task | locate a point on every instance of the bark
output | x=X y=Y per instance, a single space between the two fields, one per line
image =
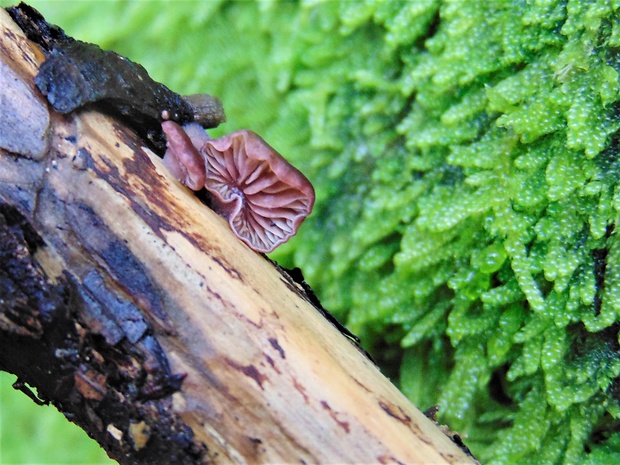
x=132 y=308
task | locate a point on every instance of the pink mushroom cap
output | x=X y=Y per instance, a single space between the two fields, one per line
x=262 y=195
x=182 y=158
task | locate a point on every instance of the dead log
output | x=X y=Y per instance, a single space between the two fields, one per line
x=132 y=308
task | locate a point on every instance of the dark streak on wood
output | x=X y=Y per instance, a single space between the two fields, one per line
x=122 y=265
x=250 y=371
x=385 y=460
x=360 y=384
x=301 y=389
x=228 y=269
x=271 y=362
x=215 y=294
x=274 y=343
x=403 y=417
x=343 y=424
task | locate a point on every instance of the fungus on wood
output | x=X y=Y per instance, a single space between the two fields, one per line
x=264 y=198
x=134 y=309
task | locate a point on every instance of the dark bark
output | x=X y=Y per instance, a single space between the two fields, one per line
x=115 y=377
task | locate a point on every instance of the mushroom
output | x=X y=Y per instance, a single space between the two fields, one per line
x=182 y=158
x=263 y=197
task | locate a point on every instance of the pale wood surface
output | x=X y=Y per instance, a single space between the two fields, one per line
x=269 y=380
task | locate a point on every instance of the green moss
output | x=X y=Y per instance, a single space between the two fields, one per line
x=466 y=164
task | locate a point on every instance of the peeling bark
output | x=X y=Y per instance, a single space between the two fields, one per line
x=133 y=309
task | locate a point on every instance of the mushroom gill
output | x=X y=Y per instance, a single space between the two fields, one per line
x=262 y=195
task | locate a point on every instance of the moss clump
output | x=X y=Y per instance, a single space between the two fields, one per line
x=465 y=160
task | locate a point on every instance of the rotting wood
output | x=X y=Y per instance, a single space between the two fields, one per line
x=133 y=308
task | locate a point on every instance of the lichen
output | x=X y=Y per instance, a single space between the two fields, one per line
x=464 y=155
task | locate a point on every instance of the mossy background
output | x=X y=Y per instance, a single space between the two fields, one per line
x=465 y=157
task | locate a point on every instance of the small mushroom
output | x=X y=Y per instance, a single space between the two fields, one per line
x=182 y=158
x=262 y=195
